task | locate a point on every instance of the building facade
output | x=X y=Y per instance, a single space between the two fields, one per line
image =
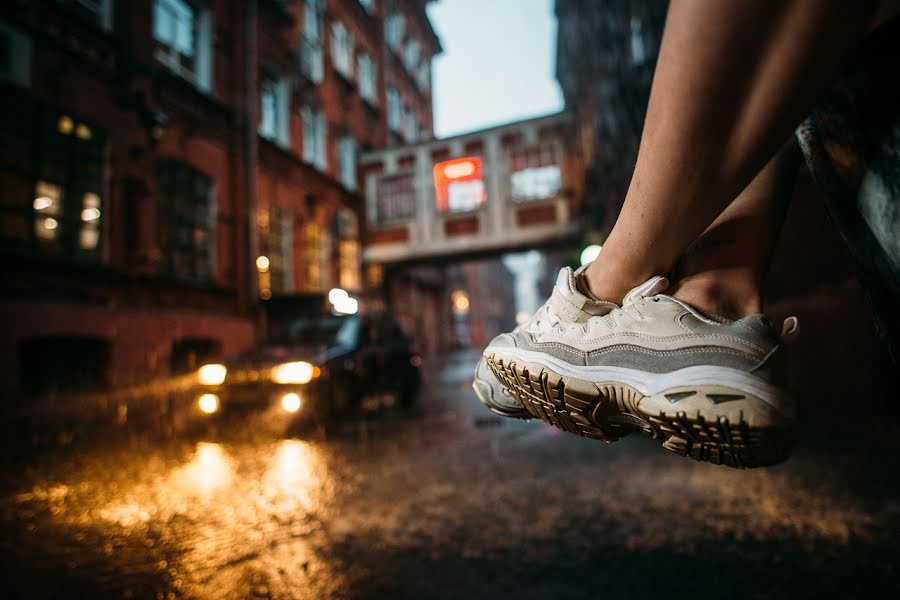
x=168 y=164
x=605 y=57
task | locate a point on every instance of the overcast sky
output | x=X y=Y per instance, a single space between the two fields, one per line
x=497 y=65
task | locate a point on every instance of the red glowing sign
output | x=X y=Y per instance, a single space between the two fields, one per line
x=458 y=184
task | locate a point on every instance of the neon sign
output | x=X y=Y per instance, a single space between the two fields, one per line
x=458 y=184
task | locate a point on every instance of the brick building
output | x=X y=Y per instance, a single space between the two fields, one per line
x=605 y=57
x=167 y=163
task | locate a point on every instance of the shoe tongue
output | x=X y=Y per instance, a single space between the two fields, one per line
x=567 y=288
x=655 y=285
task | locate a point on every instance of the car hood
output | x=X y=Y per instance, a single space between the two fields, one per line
x=269 y=356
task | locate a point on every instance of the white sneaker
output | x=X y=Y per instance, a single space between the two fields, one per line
x=565 y=305
x=708 y=388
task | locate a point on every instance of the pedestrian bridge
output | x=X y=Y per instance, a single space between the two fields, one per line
x=505 y=188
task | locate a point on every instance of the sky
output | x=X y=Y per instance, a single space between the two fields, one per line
x=497 y=65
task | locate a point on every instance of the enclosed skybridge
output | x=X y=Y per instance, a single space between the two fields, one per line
x=507 y=188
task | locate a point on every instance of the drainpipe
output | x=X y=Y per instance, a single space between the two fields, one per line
x=250 y=144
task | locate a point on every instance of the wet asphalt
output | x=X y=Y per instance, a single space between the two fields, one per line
x=447 y=502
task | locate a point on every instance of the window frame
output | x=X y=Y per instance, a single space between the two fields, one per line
x=280 y=126
x=173 y=216
x=200 y=73
x=315 y=138
x=406 y=198
x=342 y=49
x=550 y=150
x=347 y=173
x=368 y=78
x=75 y=161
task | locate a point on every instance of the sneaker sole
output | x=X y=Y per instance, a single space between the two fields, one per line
x=707 y=422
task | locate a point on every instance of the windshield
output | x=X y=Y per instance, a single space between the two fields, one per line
x=319 y=331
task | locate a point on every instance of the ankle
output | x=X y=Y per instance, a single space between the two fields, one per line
x=607 y=284
x=724 y=294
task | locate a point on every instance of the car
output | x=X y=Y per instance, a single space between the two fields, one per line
x=315 y=365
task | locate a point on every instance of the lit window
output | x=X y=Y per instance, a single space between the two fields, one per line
x=317 y=251
x=184 y=40
x=395 y=110
x=395 y=199
x=51 y=199
x=311 y=55
x=411 y=56
x=458 y=184
x=346 y=147
x=48 y=210
x=349 y=254
x=394 y=29
x=369 y=5
x=89 y=231
x=314 y=137
x=368 y=85
x=535 y=174
x=186 y=221
x=273 y=122
x=342 y=49
x=276 y=235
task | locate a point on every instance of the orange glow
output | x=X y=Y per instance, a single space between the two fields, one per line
x=457 y=171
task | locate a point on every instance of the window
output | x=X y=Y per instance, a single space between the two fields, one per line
x=276 y=236
x=346 y=147
x=638 y=52
x=459 y=185
x=411 y=55
x=186 y=222
x=184 y=40
x=342 y=49
x=394 y=28
x=311 y=56
x=395 y=199
x=369 y=5
x=368 y=83
x=395 y=110
x=52 y=172
x=317 y=251
x=15 y=56
x=423 y=76
x=273 y=111
x=314 y=137
x=349 y=254
x=535 y=174
x=410 y=126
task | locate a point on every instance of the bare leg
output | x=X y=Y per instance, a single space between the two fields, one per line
x=733 y=80
x=723 y=271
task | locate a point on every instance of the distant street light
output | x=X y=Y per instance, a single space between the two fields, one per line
x=590 y=253
x=460 y=302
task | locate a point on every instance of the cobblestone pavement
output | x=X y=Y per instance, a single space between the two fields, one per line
x=452 y=504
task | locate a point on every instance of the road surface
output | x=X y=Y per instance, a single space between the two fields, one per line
x=450 y=503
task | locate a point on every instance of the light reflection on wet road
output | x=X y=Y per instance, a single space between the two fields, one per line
x=443 y=508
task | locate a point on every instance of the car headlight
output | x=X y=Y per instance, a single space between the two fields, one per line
x=208 y=403
x=295 y=372
x=212 y=374
x=291 y=402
